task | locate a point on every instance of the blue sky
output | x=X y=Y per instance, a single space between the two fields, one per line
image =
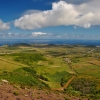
x=68 y=19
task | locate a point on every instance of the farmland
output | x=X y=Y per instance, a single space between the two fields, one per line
x=52 y=66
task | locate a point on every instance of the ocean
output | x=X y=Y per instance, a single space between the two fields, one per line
x=50 y=41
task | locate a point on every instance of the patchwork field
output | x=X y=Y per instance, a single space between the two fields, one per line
x=53 y=67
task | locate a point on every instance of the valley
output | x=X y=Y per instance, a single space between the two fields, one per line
x=72 y=70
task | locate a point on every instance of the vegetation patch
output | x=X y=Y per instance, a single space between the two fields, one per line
x=23 y=76
x=28 y=58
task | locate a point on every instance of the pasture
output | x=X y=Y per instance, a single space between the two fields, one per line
x=46 y=65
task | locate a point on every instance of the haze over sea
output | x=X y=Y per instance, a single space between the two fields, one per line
x=50 y=41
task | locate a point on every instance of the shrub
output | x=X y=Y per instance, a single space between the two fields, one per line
x=16 y=93
x=29 y=58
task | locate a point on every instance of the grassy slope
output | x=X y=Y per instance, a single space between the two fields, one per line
x=8 y=65
x=54 y=68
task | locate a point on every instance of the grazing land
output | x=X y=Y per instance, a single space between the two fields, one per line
x=71 y=72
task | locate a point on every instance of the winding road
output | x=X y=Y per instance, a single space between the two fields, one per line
x=66 y=85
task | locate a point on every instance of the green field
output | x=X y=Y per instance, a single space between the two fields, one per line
x=51 y=66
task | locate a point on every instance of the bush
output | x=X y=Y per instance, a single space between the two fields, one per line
x=29 y=58
x=16 y=93
x=67 y=98
x=85 y=86
x=43 y=77
x=65 y=79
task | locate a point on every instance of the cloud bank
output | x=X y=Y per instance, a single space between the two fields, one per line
x=62 y=13
x=4 y=26
x=43 y=35
x=35 y=34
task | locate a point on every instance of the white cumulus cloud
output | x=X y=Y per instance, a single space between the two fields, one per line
x=62 y=13
x=4 y=26
x=35 y=34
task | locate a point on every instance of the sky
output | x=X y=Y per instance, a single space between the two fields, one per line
x=50 y=19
